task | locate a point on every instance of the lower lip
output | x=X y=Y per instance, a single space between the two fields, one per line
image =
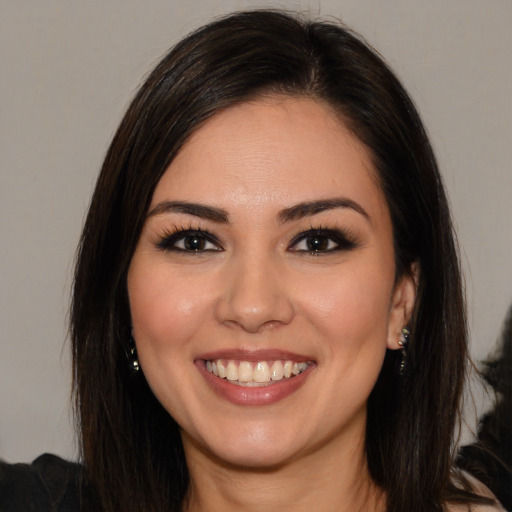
x=263 y=395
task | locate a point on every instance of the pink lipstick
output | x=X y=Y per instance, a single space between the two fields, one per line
x=248 y=377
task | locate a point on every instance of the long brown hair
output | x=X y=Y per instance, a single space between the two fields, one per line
x=131 y=446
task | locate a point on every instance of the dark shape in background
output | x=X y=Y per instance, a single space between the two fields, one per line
x=489 y=458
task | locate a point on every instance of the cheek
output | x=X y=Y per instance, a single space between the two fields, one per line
x=166 y=308
x=352 y=320
x=350 y=309
x=168 y=312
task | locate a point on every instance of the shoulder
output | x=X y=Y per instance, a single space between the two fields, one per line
x=482 y=490
x=48 y=484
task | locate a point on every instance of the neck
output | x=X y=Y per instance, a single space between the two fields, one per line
x=331 y=479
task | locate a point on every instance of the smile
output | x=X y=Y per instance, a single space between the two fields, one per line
x=257 y=373
x=255 y=377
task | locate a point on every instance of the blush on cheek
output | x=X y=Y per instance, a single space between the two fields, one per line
x=342 y=305
x=156 y=302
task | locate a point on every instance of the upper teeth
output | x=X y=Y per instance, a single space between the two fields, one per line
x=247 y=373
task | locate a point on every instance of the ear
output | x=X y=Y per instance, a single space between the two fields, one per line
x=402 y=305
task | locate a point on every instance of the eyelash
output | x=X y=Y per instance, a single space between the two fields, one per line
x=343 y=240
x=170 y=238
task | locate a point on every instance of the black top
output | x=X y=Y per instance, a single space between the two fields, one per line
x=49 y=484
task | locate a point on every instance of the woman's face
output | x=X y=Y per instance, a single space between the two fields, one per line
x=262 y=287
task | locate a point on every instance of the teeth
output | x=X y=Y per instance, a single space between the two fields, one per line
x=276 y=371
x=245 y=372
x=261 y=372
x=298 y=368
x=232 y=371
x=220 y=368
x=253 y=374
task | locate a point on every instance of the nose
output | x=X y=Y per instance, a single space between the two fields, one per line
x=254 y=296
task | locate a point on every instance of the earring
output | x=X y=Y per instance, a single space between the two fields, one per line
x=133 y=361
x=403 y=342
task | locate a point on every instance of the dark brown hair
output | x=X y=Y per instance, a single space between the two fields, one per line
x=131 y=446
x=489 y=457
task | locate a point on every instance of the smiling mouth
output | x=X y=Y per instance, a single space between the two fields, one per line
x=255 y=374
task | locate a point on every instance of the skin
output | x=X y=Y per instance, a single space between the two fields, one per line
x=255 y=287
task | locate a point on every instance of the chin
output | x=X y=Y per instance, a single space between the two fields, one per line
x=265 y=457
x=250 y=447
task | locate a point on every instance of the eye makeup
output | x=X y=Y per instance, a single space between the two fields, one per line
x=314 y=241
x=188 y=240
x=321 y=240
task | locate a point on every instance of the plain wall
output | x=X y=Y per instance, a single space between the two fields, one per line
x=68 y=70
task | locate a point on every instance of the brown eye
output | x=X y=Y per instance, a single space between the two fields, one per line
x=194 y=243
x=318 y=243
x=321 y=241
x=189 y=241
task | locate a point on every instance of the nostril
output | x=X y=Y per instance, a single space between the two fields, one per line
x=254 y=327
x=254 y=297
x=271 y=324
x=255 y=320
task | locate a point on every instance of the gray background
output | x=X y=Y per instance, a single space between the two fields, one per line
x=68 y=70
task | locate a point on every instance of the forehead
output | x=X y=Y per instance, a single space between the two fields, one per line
x=272 y=151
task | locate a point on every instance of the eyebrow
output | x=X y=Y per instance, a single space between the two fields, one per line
x=295 y=212
x=197 y=210
x=307 y=209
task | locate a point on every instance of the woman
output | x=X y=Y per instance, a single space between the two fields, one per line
x=267 y=306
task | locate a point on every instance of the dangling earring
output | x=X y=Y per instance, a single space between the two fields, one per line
x=133 y=361
x=403 y=342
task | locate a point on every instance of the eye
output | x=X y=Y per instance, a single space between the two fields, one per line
x=191 y=241
x=318 y=241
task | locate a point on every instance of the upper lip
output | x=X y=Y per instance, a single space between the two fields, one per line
x=253 y=355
